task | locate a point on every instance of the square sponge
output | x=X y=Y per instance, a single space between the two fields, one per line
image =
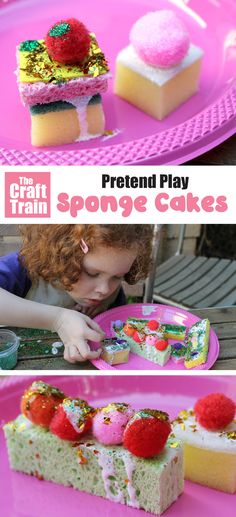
x=62 y=122
x=153 y=90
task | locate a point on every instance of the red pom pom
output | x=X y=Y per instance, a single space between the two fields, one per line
x=146 y=436
x=215 y=411
x=68 y=41
x=40 y=402
x=136 y=337
x=153 y=325
x=128 y=330
x=161 y=344
x=62 y=427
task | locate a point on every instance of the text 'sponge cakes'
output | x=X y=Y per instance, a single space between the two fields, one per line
x=126 y=456
x=61 y=80
x=160 y=68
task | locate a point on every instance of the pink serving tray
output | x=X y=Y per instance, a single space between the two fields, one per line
x=25 y=496
x=164 y=314
x=200 y=124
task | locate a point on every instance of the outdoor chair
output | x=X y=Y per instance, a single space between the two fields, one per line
x=190 y=281
x=9 y=239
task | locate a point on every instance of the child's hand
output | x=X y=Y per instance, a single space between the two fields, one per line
x=74 y=330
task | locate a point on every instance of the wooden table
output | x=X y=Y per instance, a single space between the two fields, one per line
x=223 y=321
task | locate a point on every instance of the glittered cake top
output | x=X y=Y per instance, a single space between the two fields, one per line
x=35 y=64
x=187 y=428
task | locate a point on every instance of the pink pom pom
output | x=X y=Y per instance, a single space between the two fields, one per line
x=160 y=39
x=109 y=423
x=151 y=340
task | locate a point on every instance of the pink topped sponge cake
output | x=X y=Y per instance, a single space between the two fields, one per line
x=160 y=68
x=61 y=79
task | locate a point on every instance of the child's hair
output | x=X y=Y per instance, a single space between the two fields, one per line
x=53 y=251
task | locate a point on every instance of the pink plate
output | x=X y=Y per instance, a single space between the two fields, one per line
x=25 y=496
x=163 y=313
x=200 y=124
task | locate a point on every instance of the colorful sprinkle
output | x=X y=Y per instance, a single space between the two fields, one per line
x=59 y=30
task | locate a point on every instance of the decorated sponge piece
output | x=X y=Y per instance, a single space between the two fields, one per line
x=197 y=344
x=96 y=461
x=160 y=69
x=109 y=423
x=115 y=351
x=178 y=352
x=208 y=433
x=145 y=338
x=61 y=79
x=173 y=331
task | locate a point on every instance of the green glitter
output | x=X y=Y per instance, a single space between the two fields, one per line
x=96 y=99
x=29 y=45
x=40 y=109
x=59 y=30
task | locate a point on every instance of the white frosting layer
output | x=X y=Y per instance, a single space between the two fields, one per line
x=191 y=432
x=129 y=58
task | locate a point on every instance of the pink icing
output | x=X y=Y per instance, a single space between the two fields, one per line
x=42 y=93
x=160 y=38
x=151 y=340
x=111 y=433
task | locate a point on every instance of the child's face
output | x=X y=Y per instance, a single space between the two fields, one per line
x=102 y=274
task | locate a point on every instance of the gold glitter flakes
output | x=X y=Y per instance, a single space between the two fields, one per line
x=160 y=415
x=231 y=435
x=184 y=414
x=115 y=406
x=82 y=459
x=36 y=65
x=173 y=445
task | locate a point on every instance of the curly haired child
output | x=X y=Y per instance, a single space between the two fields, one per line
x=66 y=274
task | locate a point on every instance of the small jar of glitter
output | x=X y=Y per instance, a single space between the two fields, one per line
x=9 y=344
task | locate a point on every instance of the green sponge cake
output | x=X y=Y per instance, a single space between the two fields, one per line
x=146 y=338
x=98 y=451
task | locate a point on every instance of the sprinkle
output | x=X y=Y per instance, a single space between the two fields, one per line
x=115 y=406
x=110 y=134
x=37 y=475
x=29 y=45
x=59 y=30
x=174 y=445
x=160 y=415
x=184 y=414
x=231 y=435
x=82 y=459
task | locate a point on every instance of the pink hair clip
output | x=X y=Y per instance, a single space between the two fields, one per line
x=84 y=246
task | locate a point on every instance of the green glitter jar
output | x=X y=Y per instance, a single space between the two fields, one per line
x=9 y=344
